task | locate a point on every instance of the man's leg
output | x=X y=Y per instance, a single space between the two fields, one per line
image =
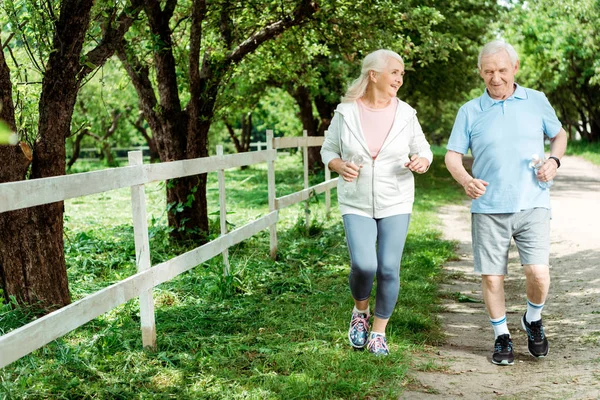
x=491 y=240
x=493 y=295
x=537 y=286
x=532 y=237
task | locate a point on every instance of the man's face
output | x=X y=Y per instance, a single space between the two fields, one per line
x=498 y=74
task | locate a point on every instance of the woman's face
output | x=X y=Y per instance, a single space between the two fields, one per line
x=390 y=79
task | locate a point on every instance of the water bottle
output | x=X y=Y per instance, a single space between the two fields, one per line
x=536 y=163
x=358 y=160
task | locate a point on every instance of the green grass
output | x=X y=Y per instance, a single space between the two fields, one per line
x=272 y=330
x=589 y=151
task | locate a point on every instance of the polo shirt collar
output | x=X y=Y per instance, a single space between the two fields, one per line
x=487 y=101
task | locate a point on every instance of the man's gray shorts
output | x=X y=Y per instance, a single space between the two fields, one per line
x=491 y=234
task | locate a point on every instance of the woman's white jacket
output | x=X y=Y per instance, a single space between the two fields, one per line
x=385 y=187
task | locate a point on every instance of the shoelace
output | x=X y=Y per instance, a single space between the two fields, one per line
x=377 y=343
x=358 y=322
x=503 y=343
x=536 y=331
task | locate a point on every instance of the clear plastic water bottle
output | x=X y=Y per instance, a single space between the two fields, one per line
x=536 y=163
x=358 y=160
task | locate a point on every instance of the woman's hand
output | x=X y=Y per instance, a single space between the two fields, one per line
x=347 y=170
x=417 y=164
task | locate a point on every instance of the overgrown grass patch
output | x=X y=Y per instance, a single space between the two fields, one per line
x=589 y=151
x=270 y=330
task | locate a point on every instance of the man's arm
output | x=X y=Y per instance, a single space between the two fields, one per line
x=474 y=188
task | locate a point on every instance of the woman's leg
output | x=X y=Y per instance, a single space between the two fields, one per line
x=361 y=236
x=391 y=237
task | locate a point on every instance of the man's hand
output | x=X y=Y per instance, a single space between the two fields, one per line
x=417 y=164
x=475 y=188
x=547 y=172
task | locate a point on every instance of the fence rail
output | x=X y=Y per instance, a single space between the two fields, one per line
x=17 y=195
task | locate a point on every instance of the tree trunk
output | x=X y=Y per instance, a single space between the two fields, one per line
x=594 y=131
x=183 y=133
x=32 y=255
x=76 y=148
x=138 y=124
x=325 y=110
x=32 y=264
x=309 y=123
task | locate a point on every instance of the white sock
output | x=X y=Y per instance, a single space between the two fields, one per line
x=500 y=326
x=534 y=311
x=356 y=310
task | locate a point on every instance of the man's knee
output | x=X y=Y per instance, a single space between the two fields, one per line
x=492 y=283
x=537 y=273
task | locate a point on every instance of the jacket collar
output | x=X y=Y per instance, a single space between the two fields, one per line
x=487 y=102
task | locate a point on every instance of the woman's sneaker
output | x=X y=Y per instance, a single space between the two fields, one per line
x=359 y=330
x=503 y=351
x=378 y=345
x=537 y=343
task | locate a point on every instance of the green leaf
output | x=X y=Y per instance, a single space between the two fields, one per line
x=7 y=136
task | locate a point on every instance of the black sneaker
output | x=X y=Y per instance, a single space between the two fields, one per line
x=536 y=338
x=503 y=351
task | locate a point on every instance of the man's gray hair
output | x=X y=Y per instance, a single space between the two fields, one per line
x=496 y=46
x=376 y=61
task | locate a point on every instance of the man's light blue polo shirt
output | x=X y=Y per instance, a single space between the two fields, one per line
x=502 y=136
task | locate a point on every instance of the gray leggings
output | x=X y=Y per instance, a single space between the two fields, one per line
x=376 y=247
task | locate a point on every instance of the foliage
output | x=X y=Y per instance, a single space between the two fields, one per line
x=107 y=94
x=589 y=151
x=274 y=329
x=271 y=108
x=562 y=61
x=438 y=40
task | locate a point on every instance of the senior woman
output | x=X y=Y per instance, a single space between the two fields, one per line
x=375 y=143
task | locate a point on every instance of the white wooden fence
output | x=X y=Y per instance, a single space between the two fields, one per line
x=24 y=194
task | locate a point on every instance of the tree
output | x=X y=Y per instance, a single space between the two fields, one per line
x=194 y=48
x=32 y=265
x=558 y=43
x=106 y=115
x=439 y=42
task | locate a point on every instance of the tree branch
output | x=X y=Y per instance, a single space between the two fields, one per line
x=302 y=12
x=111 y=37
x=139 y=75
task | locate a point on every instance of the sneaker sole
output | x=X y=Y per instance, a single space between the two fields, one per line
x=354 y=346
x=529 y=351
x=504 y=362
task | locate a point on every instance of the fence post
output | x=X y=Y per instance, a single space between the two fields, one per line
x=272 y=195
x=327 y=191
x=142 y=255
x=223 y=211
x=305 y=162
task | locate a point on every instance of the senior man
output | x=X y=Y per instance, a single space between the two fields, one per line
x=503 y=128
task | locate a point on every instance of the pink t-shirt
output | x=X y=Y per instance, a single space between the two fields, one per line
x=376 y=124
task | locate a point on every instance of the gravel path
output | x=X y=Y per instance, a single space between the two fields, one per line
x=571 y=316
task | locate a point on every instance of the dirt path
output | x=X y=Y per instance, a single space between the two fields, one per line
x=571 y=315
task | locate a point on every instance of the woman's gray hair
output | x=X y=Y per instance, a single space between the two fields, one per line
x=376 y=61
x=496 y=46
